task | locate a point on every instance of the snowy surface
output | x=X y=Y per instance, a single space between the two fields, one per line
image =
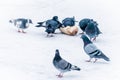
x=29 y=56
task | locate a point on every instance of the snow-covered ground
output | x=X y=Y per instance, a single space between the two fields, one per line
x=29 y=56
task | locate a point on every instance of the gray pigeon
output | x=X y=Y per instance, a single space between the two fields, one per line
x=68 y=21
x=21 y=24
x=62 y=65
x=92 y=30
x=92 y=50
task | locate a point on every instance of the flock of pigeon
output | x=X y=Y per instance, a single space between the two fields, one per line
x=90 y=32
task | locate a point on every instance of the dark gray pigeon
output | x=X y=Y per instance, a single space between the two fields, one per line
x=21 y=24
x=50 y=25
x=92 y=30
x=62 y=65
x=92 y=50
x=83 y=23
x=68 y=21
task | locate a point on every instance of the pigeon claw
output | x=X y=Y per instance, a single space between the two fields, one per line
x=59 y=75
x=88 y=60
x=23 y=32
x=19 y=31
x=95 y=60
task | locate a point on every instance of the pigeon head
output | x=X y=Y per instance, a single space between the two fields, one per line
x=30 y=21
x=55 y=18
x=57 y=52
x=85 y=40
x=75 y=68
x=10 y=21
x=57 y=55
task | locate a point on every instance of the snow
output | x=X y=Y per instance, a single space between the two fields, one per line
x=29 y=56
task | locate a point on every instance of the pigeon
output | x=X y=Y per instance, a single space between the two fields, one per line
x=62 y=65
x=50 y=30
x=92 y=50
x=21 y=24
x=92 y=30
x=68 y=22
x=50 y=25
x=83 y=23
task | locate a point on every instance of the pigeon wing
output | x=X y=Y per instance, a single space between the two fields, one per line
x=90 y=48
x=62 y=64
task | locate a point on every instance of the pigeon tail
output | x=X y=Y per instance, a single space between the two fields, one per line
x=106 y=58
x=75 y=68
x=40 y=24
x=103 y=56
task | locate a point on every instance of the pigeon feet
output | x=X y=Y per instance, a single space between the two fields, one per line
x=93 y=39
x=21 y=31
x=60 y=75
x=50 y=35
x=88 y=60
x=95 y=60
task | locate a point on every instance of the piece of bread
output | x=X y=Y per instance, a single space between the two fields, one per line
x=69 y=30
